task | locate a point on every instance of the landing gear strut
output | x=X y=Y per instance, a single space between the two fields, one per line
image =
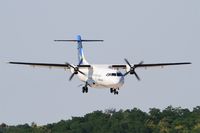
x=114 y=91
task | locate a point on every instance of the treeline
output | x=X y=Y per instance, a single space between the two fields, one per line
x=169 y=120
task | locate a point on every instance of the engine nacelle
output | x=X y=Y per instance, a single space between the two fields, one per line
x=72 y=70
x=128 y=68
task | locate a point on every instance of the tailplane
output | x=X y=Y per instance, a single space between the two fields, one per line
x=81 y=57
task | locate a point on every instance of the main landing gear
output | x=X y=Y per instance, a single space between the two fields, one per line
x=85 y=88
x=114 y=91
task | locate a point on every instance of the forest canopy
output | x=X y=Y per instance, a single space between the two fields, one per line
x=169 y=120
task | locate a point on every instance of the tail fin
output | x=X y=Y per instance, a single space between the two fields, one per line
x=81 y=56
x=79 y=41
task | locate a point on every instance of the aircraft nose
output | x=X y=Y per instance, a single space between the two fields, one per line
x=120 y=81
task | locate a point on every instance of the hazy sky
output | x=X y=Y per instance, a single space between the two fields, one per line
x=153 y=31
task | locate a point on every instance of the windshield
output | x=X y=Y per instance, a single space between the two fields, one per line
x=114 y=74
x=119 y=74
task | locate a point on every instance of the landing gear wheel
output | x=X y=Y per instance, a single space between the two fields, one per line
x=111 y=90
x=116 y=92
x=85 y=89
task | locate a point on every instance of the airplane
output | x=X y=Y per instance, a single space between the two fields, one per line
x=108 y=76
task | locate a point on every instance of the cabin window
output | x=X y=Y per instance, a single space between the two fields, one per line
x=108 y=74
x=114 y=74
x=119 y=74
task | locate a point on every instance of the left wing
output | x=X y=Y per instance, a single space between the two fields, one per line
x=161 y=64
x=124 y=66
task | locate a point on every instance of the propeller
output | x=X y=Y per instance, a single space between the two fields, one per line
x=76 y=70
x=132 y=69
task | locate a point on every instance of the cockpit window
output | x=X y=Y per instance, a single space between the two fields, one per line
x=119 y=74
x=114 y=74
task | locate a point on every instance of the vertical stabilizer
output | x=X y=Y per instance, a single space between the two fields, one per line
x=81 y=56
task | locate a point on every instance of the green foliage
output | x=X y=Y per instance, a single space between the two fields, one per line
x=170 y=120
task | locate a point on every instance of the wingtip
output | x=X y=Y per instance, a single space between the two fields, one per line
x=10 y=62
x=188 y=63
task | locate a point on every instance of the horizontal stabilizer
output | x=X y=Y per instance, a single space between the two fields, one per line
x=78 y=40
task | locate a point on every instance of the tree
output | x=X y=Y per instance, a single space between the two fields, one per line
x=170 y=120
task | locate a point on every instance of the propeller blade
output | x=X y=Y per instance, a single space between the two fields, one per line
x=127 y=62
x=126 y=73
x=135 y=66
x=71 y=76
x=69 y=65
x=81 y=72
x=141 y=63
x=138 y=78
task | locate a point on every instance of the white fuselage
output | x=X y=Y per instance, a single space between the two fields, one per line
x=100 y=76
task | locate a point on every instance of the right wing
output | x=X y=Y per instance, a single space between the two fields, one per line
x=46 y=65
x=50 y=65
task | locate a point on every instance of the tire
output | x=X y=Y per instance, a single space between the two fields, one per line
x=111 y=90
x=83 y=89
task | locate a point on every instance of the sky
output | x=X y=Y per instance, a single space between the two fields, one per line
x=151 y=31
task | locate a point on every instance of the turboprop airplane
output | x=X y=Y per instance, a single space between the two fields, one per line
x=98 y=75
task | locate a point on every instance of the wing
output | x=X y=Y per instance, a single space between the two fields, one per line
x=50 y=65
x=124 y=66
x=161 y=64
x=46 y=65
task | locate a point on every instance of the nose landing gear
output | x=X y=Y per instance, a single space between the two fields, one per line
x=114 y=91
